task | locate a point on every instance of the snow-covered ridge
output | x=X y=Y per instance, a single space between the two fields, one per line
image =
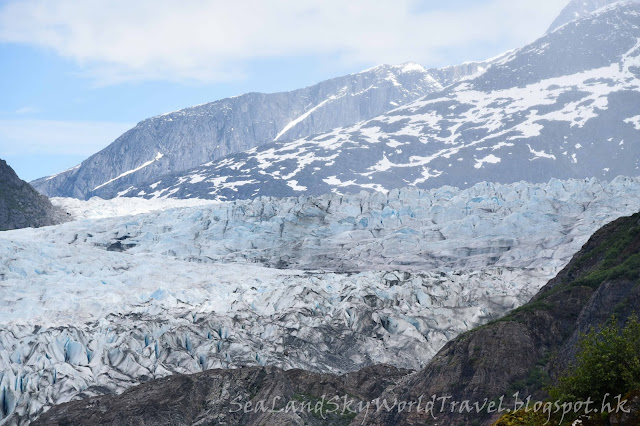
x=407 y=67
x=527 y=113
x=64 y=171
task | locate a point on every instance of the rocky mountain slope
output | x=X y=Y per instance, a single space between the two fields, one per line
x=565 y=106
x=180 y=399
x=95 y=306
x=520 y=352
x=454 y=73
x=21 y=206
x=538 y=340
x=579 y=8
x=183 y=139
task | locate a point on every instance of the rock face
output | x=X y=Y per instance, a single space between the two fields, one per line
x=452 y=74
x=20 y=205
x=579 y=8
x=512 y=354
x=207 y=398
x=183 y=139
x=565 y=106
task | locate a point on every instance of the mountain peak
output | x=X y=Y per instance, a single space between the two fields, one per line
x=407 y=67
x=578 y=8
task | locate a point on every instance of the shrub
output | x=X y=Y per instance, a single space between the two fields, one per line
x=608 y=361
x=522 y=418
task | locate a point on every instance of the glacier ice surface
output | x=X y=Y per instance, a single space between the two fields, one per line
x=329 y=283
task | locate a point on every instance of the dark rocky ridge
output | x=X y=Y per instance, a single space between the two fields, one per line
x=214 y=397
x=523 y=351
x=21 y=206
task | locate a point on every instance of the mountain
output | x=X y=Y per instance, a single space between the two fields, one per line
x=566 y=106
x=579 y=8
x=328 y=284
x=520 y=352
x=21 y=206
x=183 y=139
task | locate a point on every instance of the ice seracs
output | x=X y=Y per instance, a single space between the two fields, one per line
x=329 y=283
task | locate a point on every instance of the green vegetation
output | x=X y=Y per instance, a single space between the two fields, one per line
x=614 y=246
x=538 y=378
x=529 y=307
x=615 y=258
x=608 y=361
x=608 y=358
x=522 y=418
x=629 y=269
x=619 y=260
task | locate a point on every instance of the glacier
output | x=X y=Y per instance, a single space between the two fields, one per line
x=329 y=283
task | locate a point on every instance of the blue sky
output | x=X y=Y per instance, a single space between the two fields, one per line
x=76 y=74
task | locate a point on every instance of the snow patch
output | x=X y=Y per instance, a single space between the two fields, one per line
x=489 y=159
x=540 y=154
x=293 y=184
x=635 y=121
x=301 y=118
x=148 y=163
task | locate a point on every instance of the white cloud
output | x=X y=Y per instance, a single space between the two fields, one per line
x=43 y=137
x=213 y=40
x=26 y=110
